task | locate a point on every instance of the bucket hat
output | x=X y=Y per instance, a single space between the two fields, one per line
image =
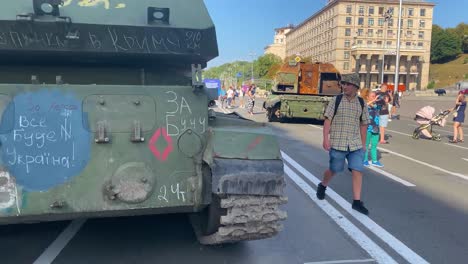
x=352 y=78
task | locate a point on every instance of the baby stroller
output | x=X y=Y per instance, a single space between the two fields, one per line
x=426 y=119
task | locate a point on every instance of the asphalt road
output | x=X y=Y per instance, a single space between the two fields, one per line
x=418 y=205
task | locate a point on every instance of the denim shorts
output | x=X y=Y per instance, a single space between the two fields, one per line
x=355 y=160
x=383 y=120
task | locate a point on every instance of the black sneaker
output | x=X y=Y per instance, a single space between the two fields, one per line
x=359 y=206
x=321 y=191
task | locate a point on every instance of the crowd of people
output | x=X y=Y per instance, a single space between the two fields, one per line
x=244 y=94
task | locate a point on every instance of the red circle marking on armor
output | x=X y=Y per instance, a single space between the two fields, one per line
x=154 y=139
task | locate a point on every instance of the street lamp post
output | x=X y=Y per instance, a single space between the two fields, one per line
x=252 y=54
x=388 y=16
x=397 y=70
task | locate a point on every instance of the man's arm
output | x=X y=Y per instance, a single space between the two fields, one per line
x=326 y=134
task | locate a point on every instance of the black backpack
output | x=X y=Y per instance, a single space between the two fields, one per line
x=338 y=101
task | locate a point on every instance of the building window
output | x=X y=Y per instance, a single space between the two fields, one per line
x=379 y=33
x=371 y=22
x=370 y=33
x=391 y=10
x=361 y=21
x=381 y=21
x=420 y=44
x=359 y=42
x=408 y=44
x=348 y=32
x=410 y=11
x=371 y=10
x=346 y=66
x=381 y=10
x=360 y=32
x=347 y=43
x=390 y=22
x=422 y=23
x=348 y=21
x=410 y=23
x=422 y=12
x=349 y=9
x=421 y=35
x=379 y=43
x=346 y=55
x=361 y=10
x=390 y=33
x=409 y=34
x=369 y=43
x=389 y=43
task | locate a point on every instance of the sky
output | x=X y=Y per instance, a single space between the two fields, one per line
x=245 y=27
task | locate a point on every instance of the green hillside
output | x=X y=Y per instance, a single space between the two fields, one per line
x=447 y=74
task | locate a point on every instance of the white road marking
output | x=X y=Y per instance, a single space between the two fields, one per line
x=354 y=233
x=393 y=131
x=318 y=127
x=384 y=173
x=60 y=242
x=388 y=238
x=426 y=164
x=452 y=145
x=343 y=261
x=391 y=176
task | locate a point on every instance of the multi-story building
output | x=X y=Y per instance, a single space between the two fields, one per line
x=361 y=36
x=279 y=45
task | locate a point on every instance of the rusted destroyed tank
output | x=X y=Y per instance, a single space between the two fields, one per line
x=302 y=90
x=104 y=113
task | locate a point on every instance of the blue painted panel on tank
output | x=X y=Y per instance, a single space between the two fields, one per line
x=48 y=144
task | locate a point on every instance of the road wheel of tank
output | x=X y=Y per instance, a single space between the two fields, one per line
x=208 y=221
x=210 y=218
x=274 y=114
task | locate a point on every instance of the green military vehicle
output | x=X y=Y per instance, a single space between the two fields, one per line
x=302 y=90
x=104 y=113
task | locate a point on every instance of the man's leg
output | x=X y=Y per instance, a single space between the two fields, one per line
x=357 y=184
x=356 y=168
x=336 y=164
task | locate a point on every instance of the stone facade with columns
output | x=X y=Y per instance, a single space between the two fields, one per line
x=279 y=46
x=361 y=36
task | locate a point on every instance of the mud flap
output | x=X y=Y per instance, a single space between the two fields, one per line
x=248 y=177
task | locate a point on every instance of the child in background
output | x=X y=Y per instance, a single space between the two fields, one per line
x=373 y=131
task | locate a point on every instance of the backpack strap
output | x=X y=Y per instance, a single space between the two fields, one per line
x=337 y=104
x=338 y=101
x=361 y=101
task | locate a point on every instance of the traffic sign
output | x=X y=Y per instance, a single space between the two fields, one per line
x=298 y=59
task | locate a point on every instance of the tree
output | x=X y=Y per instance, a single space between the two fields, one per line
x=462 y=31
x=264 y=63
x=446 y=45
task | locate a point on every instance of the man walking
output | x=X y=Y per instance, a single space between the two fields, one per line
x=344 y=137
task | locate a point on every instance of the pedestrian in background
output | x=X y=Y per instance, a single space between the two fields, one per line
x=396 y=104
x=250 y=100
x=373 y=131
x=459 y=119
x=344 y=137
x=384 y=98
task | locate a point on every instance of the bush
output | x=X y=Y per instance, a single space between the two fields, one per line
x=465 y=61
x=431 y=85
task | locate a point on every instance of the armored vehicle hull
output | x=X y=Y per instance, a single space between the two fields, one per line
x=302 y=90
x=122 y=128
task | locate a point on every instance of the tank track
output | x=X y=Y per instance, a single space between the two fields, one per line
x=249 y=217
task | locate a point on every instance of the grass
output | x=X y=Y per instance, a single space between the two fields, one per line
x=449 y=73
